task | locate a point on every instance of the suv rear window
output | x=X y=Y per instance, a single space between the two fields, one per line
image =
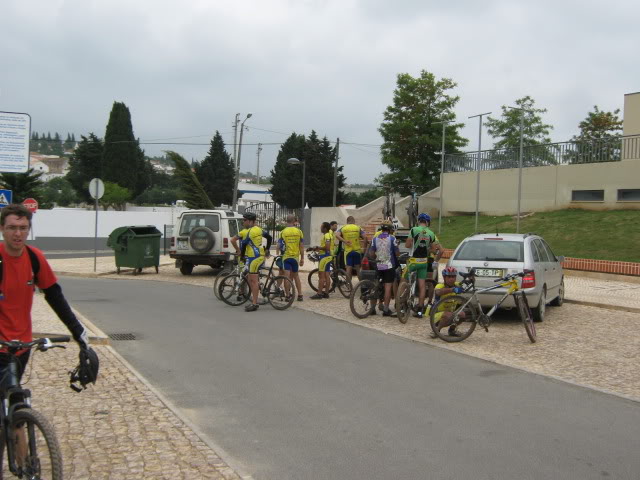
x=189 y=222
x=491 y=250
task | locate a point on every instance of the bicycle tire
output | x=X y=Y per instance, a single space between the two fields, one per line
x=464 y=329
x=234 y=290
x=344 y=287
x=403 y=310
x=276 y=292
x=41 y=438
x=216 y=282
x=313 y=279
x=526 y=316
x=362 y=300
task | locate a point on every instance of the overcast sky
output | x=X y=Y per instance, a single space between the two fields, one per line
x=185 y=68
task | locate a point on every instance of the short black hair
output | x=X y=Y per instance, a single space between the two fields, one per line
x=15 y=209
x=333 y=223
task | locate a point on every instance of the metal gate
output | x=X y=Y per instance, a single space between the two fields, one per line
x=271 y=216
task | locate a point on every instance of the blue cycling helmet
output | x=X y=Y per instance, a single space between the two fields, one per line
x=424 y=217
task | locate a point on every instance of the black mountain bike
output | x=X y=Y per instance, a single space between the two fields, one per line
x=28 y=437
x=338 y=277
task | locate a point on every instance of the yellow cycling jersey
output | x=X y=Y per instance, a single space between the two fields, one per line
x=334 y=243
x=446 y=306
x=251 y=239
x=291 y=236
x=352 y=233
x=327 y=237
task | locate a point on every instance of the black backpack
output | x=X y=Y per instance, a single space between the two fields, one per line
x=35 y=266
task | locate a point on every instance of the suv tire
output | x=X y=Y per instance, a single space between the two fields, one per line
x=539 y=311
x=202 y=239
x=186 y=268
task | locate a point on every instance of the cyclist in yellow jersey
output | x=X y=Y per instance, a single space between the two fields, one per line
x=447 y=288
x=355 y=244
x=326 y=257
x=292 y=240
x=252 y=252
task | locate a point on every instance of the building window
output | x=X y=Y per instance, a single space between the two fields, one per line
x=587 y=195
x=629 y=195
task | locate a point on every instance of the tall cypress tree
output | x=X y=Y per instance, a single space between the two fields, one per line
x=123 y=159
x=216 y=173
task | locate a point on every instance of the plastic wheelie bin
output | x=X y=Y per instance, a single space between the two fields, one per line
x=136 y=247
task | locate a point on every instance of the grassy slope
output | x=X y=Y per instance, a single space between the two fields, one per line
x=610 y=235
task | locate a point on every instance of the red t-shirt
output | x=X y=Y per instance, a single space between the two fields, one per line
x=17 y=293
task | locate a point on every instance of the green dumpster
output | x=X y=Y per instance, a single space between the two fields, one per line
x=136 y=247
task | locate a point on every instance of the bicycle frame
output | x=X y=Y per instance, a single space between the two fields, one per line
x=512 y=289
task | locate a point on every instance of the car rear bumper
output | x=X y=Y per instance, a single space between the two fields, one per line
x=200 y=259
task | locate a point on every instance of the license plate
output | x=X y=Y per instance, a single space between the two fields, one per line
x=182 y=244
x=489 y=272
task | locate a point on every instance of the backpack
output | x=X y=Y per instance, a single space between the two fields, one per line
x=421 y=241
x=35 y=266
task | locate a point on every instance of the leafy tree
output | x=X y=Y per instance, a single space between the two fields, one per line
x=114 y=196
x=158 y=196
x=69 y=143
x=191 y=188
x=360 y=199
x=216 y=172
x=85 y=164
x=123 y=159
x=23 y=185
x=412 y=138
x=58 y=191
x=507 y=128
x=319 y=158
x=599 y=124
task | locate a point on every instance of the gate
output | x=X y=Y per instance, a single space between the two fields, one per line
x=271 y=216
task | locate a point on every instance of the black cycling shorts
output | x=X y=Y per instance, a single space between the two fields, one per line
x=387 y=276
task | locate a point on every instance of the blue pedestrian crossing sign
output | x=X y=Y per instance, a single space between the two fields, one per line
x=5 y=197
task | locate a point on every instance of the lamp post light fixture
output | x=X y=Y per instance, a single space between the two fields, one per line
x=295 y=161
x=235 y=187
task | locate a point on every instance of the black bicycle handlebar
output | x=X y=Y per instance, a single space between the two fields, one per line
x=40 y=342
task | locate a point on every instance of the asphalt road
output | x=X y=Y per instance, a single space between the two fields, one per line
x=294 y=395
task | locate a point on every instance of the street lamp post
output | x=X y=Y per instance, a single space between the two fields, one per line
x=444 y=125
x=295 y=161
x=237 y=176
x=478 y=164
x=522 y=112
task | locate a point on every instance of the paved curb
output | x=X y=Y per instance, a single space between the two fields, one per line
x=100 y=338
x=620 y=308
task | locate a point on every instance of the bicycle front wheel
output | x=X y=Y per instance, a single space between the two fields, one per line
x=313 y=279
x=280 y=292
x=216 y=283
x=526 y=316
x=343 y=285
x=43 y=458
x=453 y=319
x=363 y=299
x=403 y=309
x=234 y=290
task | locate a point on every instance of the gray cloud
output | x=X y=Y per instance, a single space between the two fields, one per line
x=186 y=68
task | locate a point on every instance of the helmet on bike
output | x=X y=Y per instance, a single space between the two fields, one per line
x=424 y=217
x=449 y=272
x=386 y=227
x=87 y=370
x=249 y=216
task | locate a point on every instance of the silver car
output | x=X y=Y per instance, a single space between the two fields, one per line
x=495 y=255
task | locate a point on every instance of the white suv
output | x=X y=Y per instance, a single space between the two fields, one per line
x=203 y=237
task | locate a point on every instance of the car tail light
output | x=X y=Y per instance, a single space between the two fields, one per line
x=365 y=263
x=225 y=242
x=173 y=241
x=529 y=280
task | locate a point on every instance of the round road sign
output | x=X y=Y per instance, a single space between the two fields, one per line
x=31 y=204
x=96 y=188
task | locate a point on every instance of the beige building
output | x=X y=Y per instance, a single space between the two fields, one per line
x=612 y=181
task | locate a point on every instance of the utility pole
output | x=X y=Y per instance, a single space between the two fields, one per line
x=444 y=125
x=235 y=188
x=258 y=166
x=335 y=173
x=478 y=164
x=235 y=138
x=520 y=158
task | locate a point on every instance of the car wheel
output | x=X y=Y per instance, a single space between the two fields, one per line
x=539 y=311
x=559 y=300
x=186 y=268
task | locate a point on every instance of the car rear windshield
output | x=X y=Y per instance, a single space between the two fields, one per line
x=189 y=222
x=491 y=250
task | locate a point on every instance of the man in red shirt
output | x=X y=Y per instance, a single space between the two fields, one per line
x=19 y=283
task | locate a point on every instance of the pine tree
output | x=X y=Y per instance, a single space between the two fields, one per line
x=216 y=172
x=194 y=194
x=23 y=185
x=85 y=164
x=56 y=145
x=123 y=159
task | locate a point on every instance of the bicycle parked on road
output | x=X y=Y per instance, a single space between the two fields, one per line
x=338 y=277
x=466 y=311
x=42 y=458
x=407 y=298
x=277 y=290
